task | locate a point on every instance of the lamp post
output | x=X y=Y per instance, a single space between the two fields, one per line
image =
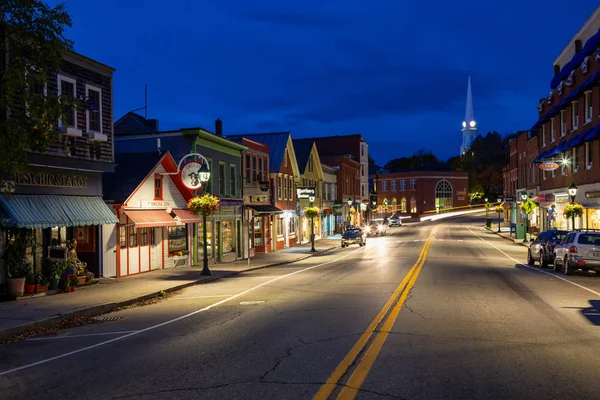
x=312 y=226
x=349 y=215
x=499 y=200
x=572 y=193
x=204 y=176
x=524 y=199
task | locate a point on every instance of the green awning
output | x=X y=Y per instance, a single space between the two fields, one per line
x=29 y=211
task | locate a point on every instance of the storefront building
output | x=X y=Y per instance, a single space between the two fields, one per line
x=284 y=176
x=155 y=228
x=347 y=209
x=415 y=193
x=311 y=176
x=328 y=200
x=259 y=213
x=58 y=197
x=224 y=228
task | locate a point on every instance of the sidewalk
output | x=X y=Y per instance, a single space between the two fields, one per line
x=40 y=311
x=505 y=233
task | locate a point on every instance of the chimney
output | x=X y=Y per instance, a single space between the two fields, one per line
x=219 y=127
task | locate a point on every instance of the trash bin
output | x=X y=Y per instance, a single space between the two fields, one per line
x=520 y=231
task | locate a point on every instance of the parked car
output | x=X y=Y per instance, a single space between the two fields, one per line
x=377 y=226
x=578 y=250
x=354 y=235
x=542 y=248
x=395 y=221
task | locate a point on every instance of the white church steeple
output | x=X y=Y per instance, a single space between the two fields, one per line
x=469 y=126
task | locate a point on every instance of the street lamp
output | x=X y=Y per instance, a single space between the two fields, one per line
x=572 y=193
x=524 y=199
x=499 y=200
x=312 y=226
x=349 y=215
x=204 y=176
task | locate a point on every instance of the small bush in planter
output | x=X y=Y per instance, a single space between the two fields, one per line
x=90 y=276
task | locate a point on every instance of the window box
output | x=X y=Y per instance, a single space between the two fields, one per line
x=70 y=131
x=97 y=136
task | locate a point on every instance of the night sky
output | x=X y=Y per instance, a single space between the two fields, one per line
x=394 y=71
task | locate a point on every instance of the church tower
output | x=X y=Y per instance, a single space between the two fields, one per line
x=469 y=126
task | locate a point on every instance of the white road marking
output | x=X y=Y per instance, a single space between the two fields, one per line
x=150 y=328
x=201 y=297
x=244 y=303
x=537 y=269
x=75 y=336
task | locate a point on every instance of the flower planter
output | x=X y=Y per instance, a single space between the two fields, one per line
x=39 y=288
x=16 y=287
x=81 y=279
x=54 y=283
x=29 y=288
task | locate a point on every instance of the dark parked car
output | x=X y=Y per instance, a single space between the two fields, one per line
x=542 y=248
x=354 y=236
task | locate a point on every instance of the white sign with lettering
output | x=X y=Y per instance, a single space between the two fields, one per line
x=155 y=204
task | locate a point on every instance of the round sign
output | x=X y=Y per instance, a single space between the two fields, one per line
x=190 y=175
x=548 y=166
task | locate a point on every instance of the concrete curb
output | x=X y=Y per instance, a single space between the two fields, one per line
x=526 y=244
x=106 y=308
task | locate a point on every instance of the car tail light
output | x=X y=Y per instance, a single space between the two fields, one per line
x=573 y=249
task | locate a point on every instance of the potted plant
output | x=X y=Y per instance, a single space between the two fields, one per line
x=15 y=261
x=204 y=205
x=574 y=209
x=89 y=276
x=17 y=271
x=57 y=267
x=73 y=281
x=30 y=283
x=42 y=283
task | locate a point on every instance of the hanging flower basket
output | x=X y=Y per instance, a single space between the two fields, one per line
x=352 y=210
x=311 y=212
x=204 y=205
x=499 y=209
x=528 y=207
x=573 y=210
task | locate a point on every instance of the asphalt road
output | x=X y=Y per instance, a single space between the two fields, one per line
x=434 y=310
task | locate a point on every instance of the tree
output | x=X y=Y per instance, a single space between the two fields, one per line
x=31 y=46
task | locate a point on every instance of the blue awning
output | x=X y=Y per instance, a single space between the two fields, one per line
x=591 y=81
x=29 y=211
x=575 y=141
x=592 y=134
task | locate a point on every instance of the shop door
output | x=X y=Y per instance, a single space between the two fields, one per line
x=156 y=253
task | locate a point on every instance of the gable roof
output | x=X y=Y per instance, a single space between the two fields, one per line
x=277 y=143
x=302 y=148
x=131 y=170
x=132 y=123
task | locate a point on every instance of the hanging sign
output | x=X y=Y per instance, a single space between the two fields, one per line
x=190 y=175
x=548 y=166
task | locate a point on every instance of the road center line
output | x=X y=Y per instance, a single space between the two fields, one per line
x=70 y=353
x=333 y=380
x=77 y=336
x=536 y=269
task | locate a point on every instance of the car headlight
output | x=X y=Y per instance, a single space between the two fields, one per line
x=380 y=227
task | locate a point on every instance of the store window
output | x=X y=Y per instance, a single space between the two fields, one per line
x=258 y=232
x=177 y=238
x=280 y=226
x=59 y=236
x=228 y=237
x=132 y=236
x=209 y=250
x=123 y=237
x=144 y=235
x=292 y=225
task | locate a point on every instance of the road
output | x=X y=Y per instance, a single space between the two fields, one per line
x=444 y=309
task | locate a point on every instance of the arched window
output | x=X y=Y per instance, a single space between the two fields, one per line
x=443 y=196
x=394 y=205
x=403 y=205
x=413 y=205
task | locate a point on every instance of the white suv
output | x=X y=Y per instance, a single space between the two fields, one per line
x=578 y=250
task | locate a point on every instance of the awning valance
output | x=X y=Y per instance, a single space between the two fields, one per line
x=29 y=211
x=150 y=218
x=266 y=209
x=186 y=216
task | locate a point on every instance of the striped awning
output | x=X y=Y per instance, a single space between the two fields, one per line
x=29 y=211
x=186 y=216
x=150 y=218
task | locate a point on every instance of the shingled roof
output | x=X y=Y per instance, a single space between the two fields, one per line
x=302 y=148
x=276 y=141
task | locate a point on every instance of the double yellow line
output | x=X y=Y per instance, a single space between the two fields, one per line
x=351 y=388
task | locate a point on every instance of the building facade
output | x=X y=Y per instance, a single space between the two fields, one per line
x=569 y=132
x=224 y=229
x=349 y=203
x=416 y=193
x=330 y=206
x=59 y=196
x=284 y=178
x=311 y=176
x=155 y=229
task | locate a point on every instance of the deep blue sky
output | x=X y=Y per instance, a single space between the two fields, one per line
x=394 y=71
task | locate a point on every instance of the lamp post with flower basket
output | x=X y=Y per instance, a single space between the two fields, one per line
x=572 y=193
x=311 y=212
x=573 y=210
x=204 y=205
x=528 y=207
